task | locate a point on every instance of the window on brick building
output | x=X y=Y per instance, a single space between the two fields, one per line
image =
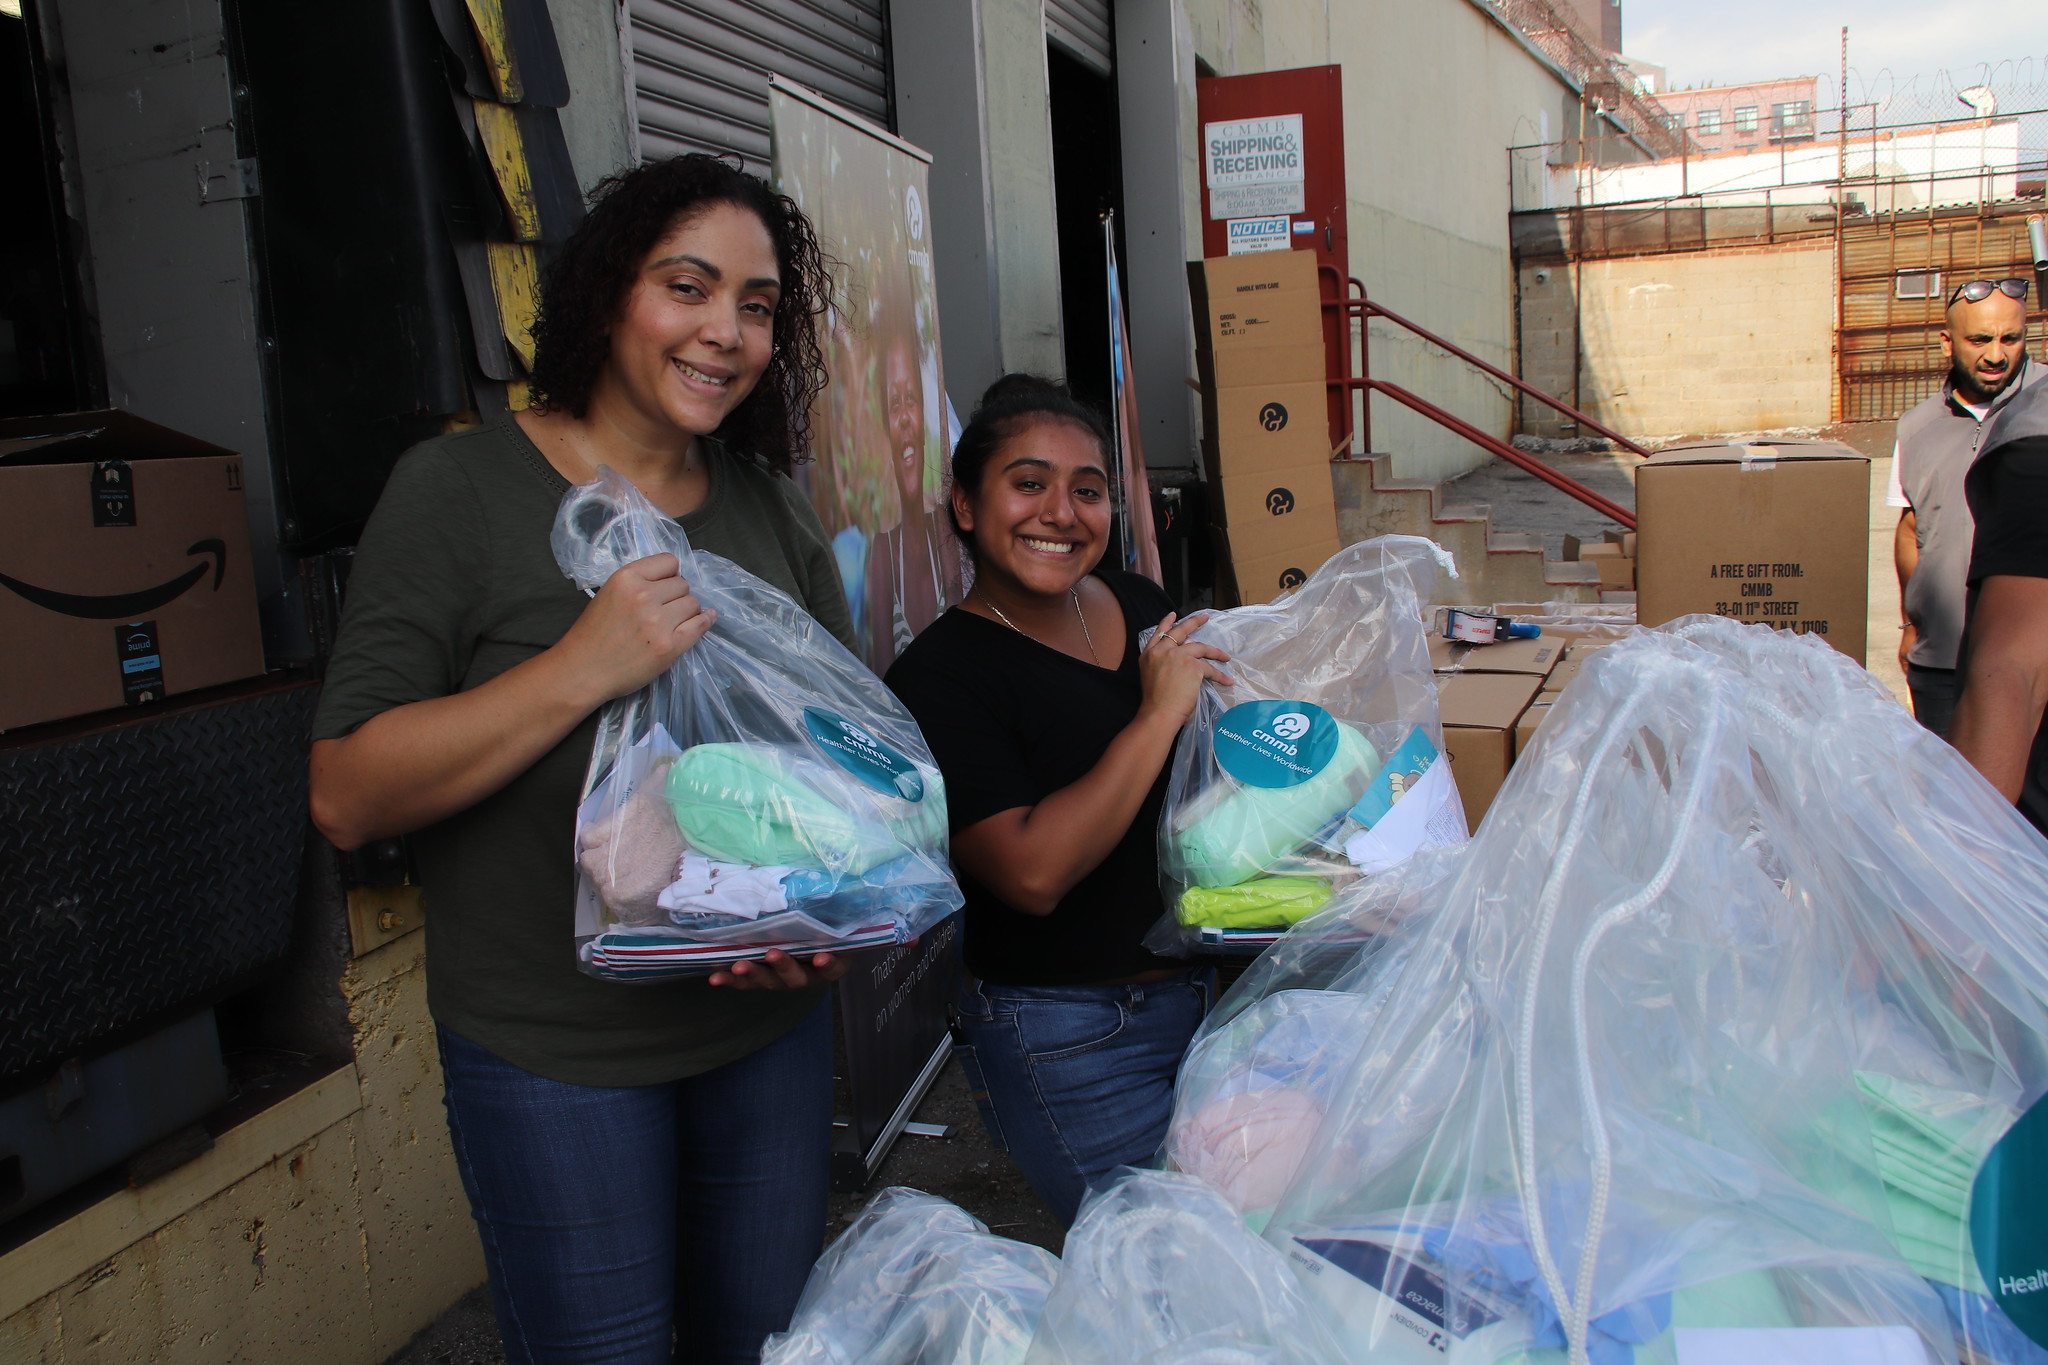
x=1792 y=118
x=1917 y=284
x=1745 y=118
x=1709 y=122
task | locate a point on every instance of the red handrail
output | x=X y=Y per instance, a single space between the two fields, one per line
x=1493 y=445
x=1363 y=308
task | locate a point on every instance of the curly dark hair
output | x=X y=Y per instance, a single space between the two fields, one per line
x=586 y=285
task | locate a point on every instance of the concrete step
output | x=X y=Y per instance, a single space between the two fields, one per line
x=1493 y=566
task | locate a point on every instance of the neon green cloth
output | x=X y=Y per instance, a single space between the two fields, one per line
x=1232 y=832
x=759 y=804
x=1260 y=903
x=1929 y=1142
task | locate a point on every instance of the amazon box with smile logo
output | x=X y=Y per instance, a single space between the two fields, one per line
x=124 y=566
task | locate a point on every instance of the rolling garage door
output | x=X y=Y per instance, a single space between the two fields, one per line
x=700 y=70
x=1081 y=27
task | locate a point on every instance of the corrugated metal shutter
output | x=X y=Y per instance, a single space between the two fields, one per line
x=1081 y=27
x=700 y=70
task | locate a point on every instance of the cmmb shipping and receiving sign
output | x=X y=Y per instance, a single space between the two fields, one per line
x=1254 y=167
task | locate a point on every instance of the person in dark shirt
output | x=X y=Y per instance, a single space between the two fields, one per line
x=1053 y=729
x=1998 y=723
x=636 y=1157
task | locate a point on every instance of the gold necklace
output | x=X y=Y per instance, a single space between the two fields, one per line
x=1081 y=616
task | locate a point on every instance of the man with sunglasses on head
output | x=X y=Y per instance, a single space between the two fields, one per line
x=1984 y=340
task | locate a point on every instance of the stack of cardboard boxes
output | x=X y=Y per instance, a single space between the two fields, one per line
x=1613 y=555
x=1266 y=445
x=1482 y=693
x=1493 y=697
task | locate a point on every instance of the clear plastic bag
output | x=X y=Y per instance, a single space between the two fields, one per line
x=767 y=791
x=1158 y=1270
x=1322 y=761
x=915 y=1281
x=1262 y=1072
x=1691 y=1052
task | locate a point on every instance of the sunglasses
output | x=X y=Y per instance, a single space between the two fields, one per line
x=1976 y=291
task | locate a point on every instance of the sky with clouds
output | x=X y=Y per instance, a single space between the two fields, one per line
x=1724 y=42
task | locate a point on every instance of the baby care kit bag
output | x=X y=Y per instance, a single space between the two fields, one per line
x=766 y=791
x=1321 y=762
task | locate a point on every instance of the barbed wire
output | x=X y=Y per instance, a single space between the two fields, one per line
x=2016 y=83
x=1600 y=74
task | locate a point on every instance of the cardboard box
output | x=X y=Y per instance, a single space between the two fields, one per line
x=1617 y=567
x=1480 y=712
x=1532 y=720
x=1568 y=667
x=1775 y=535
x=1530 y=658
x=1265 y=426
x=124 y=566
x=1276 y=509
x=1258 y=319
x=1262 y=578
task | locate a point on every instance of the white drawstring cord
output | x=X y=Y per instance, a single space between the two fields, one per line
x=1579 y=1316
x=1525 y=1085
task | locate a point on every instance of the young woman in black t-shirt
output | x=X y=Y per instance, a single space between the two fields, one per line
x=1053 y=730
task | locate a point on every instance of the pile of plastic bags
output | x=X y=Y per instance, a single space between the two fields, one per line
x=767 y=791
x=1320 y=762
x=1724 y=1041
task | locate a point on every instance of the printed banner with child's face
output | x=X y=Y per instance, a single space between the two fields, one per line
x=878 y=479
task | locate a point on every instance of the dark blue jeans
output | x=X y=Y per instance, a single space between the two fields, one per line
x=1075 y=1081
x=611 y=1216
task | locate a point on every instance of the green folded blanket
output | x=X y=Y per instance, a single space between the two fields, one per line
x=1263 y=902
x=759 y=804
x=1232 y=832
x=1929 y=1142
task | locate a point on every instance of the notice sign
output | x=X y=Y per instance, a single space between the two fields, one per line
x=1246 y=235
x=1254 y=167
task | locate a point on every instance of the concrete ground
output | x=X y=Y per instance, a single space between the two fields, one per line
x=963 y=1166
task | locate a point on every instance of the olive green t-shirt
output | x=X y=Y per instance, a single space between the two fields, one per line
x=454 y=583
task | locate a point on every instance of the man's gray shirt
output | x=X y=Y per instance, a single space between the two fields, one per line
x=1938 y=440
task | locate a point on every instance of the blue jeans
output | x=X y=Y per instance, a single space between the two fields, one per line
x=612 y=1215
x=1075 y=1081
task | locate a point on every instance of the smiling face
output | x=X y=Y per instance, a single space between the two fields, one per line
x=903 y=391
x=1984 y=342
x=696 y=330
x=1039 y=521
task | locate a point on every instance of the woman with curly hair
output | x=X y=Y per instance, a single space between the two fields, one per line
x=636 y=1157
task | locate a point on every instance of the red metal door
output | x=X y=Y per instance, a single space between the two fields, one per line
x=1273 y=176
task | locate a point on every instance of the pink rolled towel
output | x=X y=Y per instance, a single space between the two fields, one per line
x=631 y=854
x=1247 y=1146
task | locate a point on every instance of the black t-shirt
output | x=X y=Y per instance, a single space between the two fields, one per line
x=2008 y=495
x=1011 y=721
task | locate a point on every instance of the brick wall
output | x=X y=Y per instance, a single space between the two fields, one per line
x=1696 y=343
